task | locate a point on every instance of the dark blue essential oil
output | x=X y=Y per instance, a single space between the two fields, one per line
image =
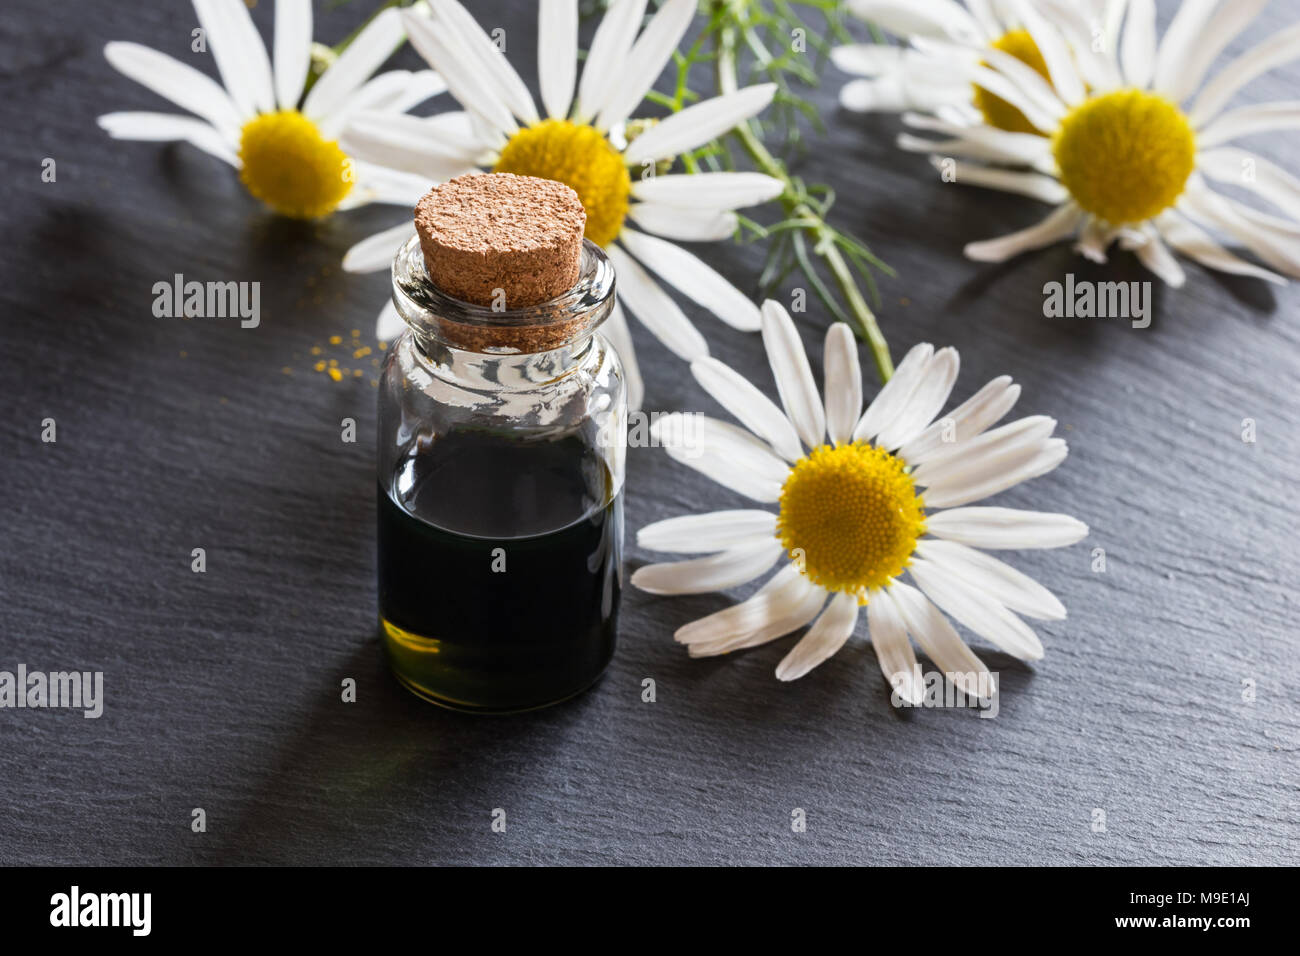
x=500 y=570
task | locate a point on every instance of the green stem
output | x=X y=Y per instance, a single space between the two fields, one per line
x=725 y=69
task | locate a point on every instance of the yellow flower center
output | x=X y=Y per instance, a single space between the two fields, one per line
x=1125 y=156
x=850 y=517
x=581 y=158
x=286 y=163
x=997 y=111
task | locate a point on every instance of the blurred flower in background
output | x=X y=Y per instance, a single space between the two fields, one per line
x=282 y=142
x=1119 y=140
x=954 y=81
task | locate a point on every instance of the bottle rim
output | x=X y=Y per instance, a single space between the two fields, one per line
x=438 y=319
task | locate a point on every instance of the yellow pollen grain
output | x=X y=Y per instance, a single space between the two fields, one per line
x=579 y=156
x=336 y=375
x=850 y=517
x=336 y=339
x=1125 y=156
x=287 y=164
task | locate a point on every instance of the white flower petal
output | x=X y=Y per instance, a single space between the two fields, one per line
x=996 y=579
x=655 y=308
x=1060 y=64
x=962 y=457
x=1282 y=47
x=239 y=53
x=1097 y=67
x=708 y=190
x=714 y=531
x=697 y=124
x=1194 y=39
x=930 y=395
x=1153 y=254
x=794 y=378
x=1229 y=165
x=823 y=640
x=867 y=59
x=939 y=640
x=688 y=225
x=748 y=405
x=412 y=144
x=393 y=92
x=292 y=50
x=936 y=18
x=980 y=142
x=1094 y=238
x=885 y=94
x=646 y=60
x=376 y=252
x=987 y=20
x=1257 y=118
x=985 y=617
x=358 y=61
x=1278 y=247
x=893 y=650
x=478 y=98
x=892 y=398
x=608 y=55
x=379 y=184
x=1055 y=227
x=999 y=529
x=963 y=423
x=1000 y=85
x=177 y=83
x=390 y=324
x=843 y=379
x=396 y=91
x=693 y=278
x=1194 y=242
x=713 y=573
x=557 y=55
x=494 y=69
x=998 y=475
x=785 y=603
x=167 y=127
x=1137 y=45
x=1025 y=78
x=1034 y=185
x=620 y=336
x=971 y=147
x=729 y=455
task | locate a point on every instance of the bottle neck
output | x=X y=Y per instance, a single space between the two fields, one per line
x=524 y=371
x=535 y=343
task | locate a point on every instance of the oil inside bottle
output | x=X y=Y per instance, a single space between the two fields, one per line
x=500 y=569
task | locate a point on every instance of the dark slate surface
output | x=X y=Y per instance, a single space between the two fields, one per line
x=223 y=688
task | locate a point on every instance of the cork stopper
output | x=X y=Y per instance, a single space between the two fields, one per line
x=500 y=240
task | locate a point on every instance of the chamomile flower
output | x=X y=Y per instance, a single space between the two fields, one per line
x=1124 y=145
x=584 y=140
x=283 y=144
x=861 y=498
x=895 y=78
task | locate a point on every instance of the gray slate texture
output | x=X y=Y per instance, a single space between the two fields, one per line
x=223 y=688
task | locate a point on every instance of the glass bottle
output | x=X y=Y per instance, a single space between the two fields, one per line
x=501 y=461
